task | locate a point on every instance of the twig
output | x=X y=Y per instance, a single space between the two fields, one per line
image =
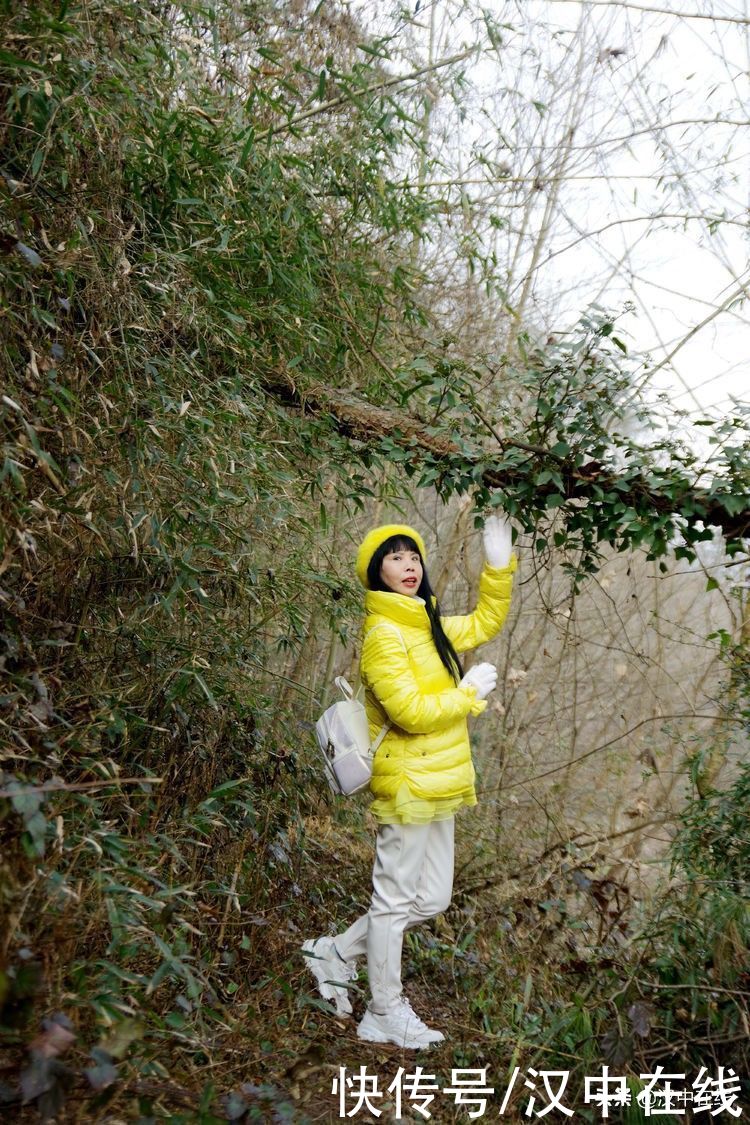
x=612 y=741
x=741 y=20
x=61 y=787
x=741 y=291
x=371 y=89
x=705 y=987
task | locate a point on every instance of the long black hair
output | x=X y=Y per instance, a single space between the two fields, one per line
x=445 y=649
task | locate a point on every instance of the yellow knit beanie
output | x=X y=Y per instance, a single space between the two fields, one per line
x=376 y=538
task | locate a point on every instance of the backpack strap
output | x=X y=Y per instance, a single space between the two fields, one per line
x=380 y=736
x=386 y=625
x=388 y=724
x=344 y=687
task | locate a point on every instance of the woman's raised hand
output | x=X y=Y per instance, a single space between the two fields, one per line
x=497 y=539
x=483 y=677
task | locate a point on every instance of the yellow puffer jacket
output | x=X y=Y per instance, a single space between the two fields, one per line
x=405 y=681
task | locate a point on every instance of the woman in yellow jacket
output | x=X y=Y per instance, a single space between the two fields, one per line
x=422 y=771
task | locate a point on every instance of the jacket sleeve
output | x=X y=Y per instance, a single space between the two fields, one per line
x=387 y=672
x=473 y=629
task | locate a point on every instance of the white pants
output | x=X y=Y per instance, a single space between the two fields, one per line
x=412 y=880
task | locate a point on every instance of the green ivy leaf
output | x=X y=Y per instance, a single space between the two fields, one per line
x=554 y=500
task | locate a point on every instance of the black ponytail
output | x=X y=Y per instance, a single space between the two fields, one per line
x=445 y=649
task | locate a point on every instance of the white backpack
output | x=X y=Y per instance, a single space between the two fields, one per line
x=344 y=739
x=344 y=736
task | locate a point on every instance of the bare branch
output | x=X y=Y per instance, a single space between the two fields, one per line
x=618 y=738
x=373 y=88
x=734 y=296
x=650 y=8
x=84 y=786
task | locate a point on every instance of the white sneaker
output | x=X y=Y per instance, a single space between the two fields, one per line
x=330 y=971
x=400 y=1025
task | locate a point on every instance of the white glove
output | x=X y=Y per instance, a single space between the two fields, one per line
x=497 y=540
x=483 y=677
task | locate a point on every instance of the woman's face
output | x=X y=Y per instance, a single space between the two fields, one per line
x=402 y=572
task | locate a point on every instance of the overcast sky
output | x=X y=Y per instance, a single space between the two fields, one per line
x=645 y=69
x=678 y=277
